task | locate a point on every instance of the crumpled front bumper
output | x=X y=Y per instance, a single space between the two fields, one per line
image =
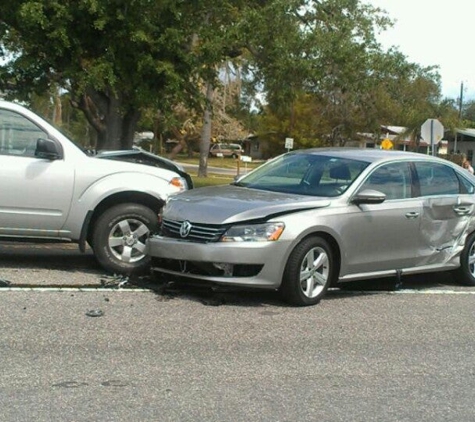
x=240 y=264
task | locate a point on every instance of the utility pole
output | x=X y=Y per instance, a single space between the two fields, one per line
x=460 y=114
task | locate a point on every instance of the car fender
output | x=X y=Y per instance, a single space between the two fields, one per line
x=88 y=197
x=294 y=233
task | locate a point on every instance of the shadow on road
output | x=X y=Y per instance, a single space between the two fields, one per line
x=64 y=263
x=237 y=297
x=47 y=256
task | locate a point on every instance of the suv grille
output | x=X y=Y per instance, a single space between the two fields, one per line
x=198 y=232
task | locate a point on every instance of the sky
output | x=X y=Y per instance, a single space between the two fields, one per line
x=438 y=33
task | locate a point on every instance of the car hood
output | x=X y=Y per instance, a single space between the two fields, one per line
x=230 y=204
x=139 y=156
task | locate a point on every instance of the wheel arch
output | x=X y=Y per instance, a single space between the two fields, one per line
x=127 y=197
x=335 y=247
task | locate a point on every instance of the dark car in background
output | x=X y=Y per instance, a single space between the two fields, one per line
x=310 y=219
x=140 y=156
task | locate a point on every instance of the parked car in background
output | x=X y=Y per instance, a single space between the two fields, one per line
x=140 y=156
x=53 y=191
x=309 y=219
x=226 y=150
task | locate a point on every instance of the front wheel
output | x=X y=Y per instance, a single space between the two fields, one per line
x=308 y=273
x=119 y=238
x=466 y=273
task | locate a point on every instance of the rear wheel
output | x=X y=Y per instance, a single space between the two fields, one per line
x=466 y=273
x=308 y=273
x=119 y=238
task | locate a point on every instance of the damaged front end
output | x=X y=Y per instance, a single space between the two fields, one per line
x=207 y=269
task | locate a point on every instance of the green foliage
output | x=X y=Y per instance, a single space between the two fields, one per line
x=316 y=65
x=114 y=58
x=339 y=81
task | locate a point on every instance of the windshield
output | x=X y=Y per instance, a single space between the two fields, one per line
x=305 y=174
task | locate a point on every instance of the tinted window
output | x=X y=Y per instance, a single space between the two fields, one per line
x=394 y=180
x=18 y=135
x=437 y=179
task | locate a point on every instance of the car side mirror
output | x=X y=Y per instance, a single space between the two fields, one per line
x=368 y=196
x=46 y=148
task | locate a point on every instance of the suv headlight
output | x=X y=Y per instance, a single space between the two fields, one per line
x=253 y=233
x=179 y=182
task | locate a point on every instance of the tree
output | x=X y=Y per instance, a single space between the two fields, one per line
x=321 y=48
x=351 y=85
x=118 y=60
x=114 y=58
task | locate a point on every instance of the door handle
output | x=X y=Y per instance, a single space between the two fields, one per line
x=463 y=210
x=412 y=215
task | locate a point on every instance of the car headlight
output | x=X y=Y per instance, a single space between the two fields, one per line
x=253 y=233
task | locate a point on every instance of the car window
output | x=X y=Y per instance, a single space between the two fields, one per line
x=394 y=180
x=305 y=174
x=437 y=179
x=466 y=186
x=18 y=135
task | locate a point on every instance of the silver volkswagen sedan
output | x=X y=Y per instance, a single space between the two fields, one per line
x=311 y=218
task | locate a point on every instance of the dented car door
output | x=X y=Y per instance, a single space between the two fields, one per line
x=448 y=206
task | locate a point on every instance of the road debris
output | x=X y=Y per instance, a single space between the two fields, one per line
x=95 y=313
x=4 y=283
x=114 y=281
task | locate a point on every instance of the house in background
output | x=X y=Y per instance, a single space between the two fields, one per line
x=462 y=141
x=256 y=147
x=458 y=142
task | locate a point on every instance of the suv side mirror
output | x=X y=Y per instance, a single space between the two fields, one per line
x=368 y=196
x=46 y=148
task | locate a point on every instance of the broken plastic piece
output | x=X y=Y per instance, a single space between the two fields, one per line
x=4 y=283
x=95 y=313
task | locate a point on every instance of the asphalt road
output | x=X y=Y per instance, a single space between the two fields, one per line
x=189 y=355
x=48 y=265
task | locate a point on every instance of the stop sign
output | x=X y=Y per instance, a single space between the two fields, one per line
x=432 y=131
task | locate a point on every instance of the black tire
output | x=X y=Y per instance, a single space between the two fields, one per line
x=234 y=156
x=466 y=273
x=119 y=237
x=313 y=257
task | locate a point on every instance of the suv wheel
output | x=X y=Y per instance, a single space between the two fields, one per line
x=119 y=237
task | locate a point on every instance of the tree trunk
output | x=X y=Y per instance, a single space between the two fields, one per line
x=58 y=110
x=206 y=132
x=129 y=123
x=115 y=129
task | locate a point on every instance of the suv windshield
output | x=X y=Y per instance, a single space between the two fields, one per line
x=305 y=174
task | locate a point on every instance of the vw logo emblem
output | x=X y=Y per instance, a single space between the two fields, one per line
x=185 y=228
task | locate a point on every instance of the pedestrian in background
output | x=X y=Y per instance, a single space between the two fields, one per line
x=466 y=164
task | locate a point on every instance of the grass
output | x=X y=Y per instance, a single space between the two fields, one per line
x=211 y=180
x=228 y=163
x=216 y=179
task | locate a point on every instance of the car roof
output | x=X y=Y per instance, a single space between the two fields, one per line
x=369 y=155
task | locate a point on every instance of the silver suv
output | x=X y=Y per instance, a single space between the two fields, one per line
x=52 y=190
